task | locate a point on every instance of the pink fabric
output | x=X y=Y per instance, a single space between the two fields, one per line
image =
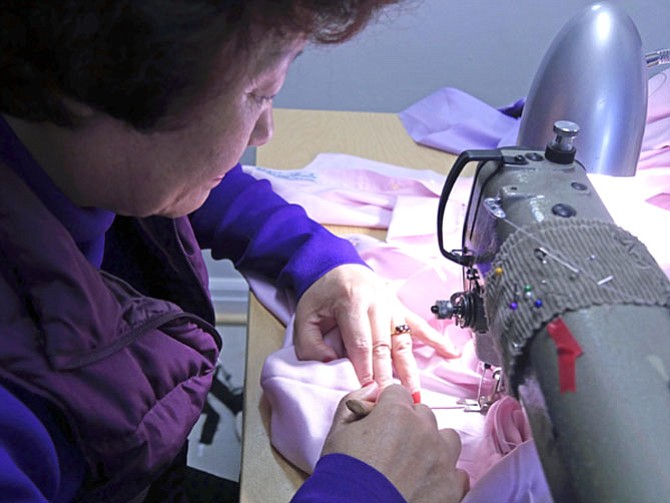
x=635 y=203
x=451 y=120
x=655 y=149
x=498 y=451
x=338 y=189
x=518 y=478
x=303 y=395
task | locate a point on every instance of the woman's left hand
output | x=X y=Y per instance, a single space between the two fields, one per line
x=373 y=324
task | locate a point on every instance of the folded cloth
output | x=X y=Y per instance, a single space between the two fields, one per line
x=498 y=452
x=303 y=395
x=452 y=120
x=339 y=189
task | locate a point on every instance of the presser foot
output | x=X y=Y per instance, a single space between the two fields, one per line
x=484 y=401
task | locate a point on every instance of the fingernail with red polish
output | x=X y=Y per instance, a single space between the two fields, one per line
x=416 y=397
x=369 y=383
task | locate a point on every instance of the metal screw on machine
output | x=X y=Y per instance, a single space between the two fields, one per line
x=561 y=150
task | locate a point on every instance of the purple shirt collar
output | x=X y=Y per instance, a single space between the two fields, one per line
x=87 y=226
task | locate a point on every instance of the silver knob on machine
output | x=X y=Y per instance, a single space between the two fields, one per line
x=565 y=134
x=560 y=149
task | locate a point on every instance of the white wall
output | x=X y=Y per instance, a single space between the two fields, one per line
x=488 y=48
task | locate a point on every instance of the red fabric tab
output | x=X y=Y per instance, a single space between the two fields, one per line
x=568 y=350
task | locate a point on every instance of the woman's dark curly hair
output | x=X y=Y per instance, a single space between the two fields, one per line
x=142 y=61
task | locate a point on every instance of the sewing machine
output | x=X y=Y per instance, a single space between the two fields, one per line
x=539 y=250
x=570 y=311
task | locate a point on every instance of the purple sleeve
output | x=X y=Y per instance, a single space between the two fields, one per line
x=341 y=478
x=245 y=221
x=24 y=441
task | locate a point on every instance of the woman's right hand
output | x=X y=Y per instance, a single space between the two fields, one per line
x=402 y=441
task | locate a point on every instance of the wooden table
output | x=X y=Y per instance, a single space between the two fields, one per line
x=299 y=136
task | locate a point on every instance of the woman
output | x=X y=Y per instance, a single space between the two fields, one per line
x=123 y=125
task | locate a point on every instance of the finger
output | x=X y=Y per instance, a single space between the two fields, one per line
x=382 y=363
x=394 y=394
x=422 y=331
x=357 y=337
x=366 y=395
x=359 y=407
x=426 y=413
x=309 y=343
x=463 y=481
x=453 y=443
x=405 y=363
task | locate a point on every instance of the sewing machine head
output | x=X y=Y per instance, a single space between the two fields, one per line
x=586 y=111
x=513 y=188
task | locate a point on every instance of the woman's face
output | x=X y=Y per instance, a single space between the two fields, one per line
x=171 y=173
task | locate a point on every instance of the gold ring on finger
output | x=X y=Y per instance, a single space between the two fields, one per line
x=401 y=329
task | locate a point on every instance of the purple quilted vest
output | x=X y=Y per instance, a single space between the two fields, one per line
x=128 y=372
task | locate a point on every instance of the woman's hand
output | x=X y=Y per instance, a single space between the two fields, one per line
x=402 y=441
x=370 y=318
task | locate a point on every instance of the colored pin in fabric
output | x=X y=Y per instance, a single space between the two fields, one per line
x=528 y=291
